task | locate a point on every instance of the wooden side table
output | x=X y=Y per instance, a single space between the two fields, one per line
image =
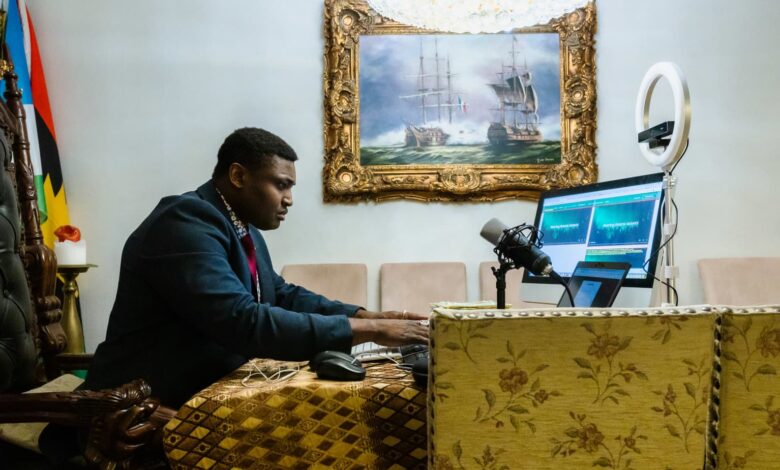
x=71 y=321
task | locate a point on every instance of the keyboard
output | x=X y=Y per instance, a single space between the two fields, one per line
x=367 y=352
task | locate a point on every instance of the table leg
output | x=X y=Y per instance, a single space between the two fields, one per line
x=71 y=322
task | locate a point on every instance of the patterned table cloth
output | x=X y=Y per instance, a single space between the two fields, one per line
x=302 y=422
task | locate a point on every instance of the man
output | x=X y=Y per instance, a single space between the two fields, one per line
x=198 y=295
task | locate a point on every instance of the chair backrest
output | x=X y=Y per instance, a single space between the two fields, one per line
x=31 y=335
x=740 y=281
x=487 y=284
x=17 y=344
x=347 y=283
x=413 y=286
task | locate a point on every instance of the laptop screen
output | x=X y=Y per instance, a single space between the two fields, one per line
x=595 y=284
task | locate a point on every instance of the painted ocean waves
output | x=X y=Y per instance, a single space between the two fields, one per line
x=541 y=153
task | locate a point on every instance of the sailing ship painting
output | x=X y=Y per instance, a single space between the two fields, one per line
x=516 y=96
x=432 y=96
x=459 y=99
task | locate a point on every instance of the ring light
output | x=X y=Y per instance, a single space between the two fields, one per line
x=682 y=113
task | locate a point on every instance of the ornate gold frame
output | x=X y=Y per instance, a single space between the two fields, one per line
x=345 y=180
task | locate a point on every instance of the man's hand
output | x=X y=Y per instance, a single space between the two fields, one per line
x=388 y=332
x=391 y=315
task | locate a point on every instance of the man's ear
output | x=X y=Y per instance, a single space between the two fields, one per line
x=237 y=174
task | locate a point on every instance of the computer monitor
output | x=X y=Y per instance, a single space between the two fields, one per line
x=613 y=221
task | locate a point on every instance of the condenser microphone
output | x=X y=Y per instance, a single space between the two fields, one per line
x=514 y=246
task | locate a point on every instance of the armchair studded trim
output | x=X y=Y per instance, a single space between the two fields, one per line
x=713 y=417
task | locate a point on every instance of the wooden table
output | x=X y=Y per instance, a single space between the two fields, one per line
x=303 y=422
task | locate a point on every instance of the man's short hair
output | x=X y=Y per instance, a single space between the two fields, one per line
x=253 y=148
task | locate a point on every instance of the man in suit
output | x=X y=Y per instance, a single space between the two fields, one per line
x=198 y=295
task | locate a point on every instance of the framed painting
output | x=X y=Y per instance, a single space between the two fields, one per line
x=431 y=116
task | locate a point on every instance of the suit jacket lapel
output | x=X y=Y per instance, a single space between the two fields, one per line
x=268 y=293
x=208 y=192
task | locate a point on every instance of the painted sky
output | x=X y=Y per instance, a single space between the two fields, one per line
x=389 y=65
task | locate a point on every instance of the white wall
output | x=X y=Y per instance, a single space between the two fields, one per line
x=143 y=93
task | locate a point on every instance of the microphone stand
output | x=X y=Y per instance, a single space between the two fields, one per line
x=500 y=273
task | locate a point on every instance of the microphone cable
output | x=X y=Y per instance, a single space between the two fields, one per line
x=565 y=285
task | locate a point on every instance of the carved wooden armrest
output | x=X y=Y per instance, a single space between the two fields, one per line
x=120 y=422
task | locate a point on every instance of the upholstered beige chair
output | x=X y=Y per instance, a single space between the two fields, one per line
x=549 y=389
x=749 y=412
x=413 y=286
x=678 y=387
x=740 y=281
x=344 y=282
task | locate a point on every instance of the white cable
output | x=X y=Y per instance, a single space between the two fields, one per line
x=282 y=374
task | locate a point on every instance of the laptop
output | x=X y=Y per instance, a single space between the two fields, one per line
x=595 y=284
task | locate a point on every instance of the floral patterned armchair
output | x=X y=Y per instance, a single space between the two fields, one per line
x=674 y=388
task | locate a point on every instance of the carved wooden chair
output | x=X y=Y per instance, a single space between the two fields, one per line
x=119 y=428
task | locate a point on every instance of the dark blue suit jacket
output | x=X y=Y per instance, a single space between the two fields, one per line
x=184 y=313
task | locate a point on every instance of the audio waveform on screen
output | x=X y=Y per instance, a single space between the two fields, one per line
x=622 y=224
x=566 y=226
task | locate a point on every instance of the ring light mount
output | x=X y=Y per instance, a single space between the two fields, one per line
x=673 y=149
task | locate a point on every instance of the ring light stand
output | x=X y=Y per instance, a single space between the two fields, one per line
x=672 y=152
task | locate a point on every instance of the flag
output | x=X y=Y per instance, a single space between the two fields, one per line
x=23 y=47
x=461 y=105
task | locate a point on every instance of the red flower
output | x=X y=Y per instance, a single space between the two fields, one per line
x=67 y=232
